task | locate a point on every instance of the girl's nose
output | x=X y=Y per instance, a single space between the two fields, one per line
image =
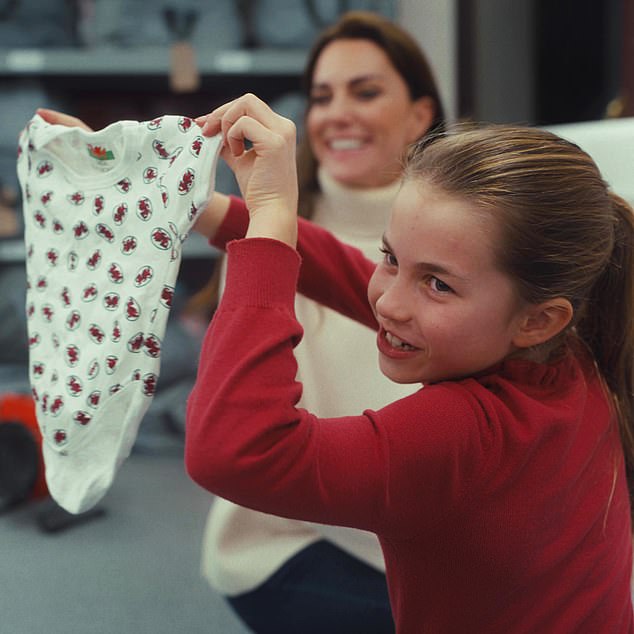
x=393 y=303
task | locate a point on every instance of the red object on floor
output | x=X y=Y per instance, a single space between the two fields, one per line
x=20 y=408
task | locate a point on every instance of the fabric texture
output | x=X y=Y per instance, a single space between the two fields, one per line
x=241 y=547
x=499 y=499
x=105 y=215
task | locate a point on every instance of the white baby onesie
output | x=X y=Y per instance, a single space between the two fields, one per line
x=105 y=215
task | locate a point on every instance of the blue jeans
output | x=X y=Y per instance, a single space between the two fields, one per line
x=322 y=590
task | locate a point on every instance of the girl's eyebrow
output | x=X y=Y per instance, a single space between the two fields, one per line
x=426 y=267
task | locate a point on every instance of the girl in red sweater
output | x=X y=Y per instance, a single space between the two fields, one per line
x=499 y=490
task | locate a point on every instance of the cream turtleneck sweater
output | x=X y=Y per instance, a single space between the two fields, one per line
x=241 y=547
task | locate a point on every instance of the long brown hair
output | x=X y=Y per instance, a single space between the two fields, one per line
x=564 y=234
x=404 y=54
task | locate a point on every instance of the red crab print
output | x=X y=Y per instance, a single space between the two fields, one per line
x=94 y=260
x=164 y=195
x=196 y=146
x=40 y=219
x=72 y=355
x=174 y=155
x=93 y=398
x=124 y=185
x=135 y=343
x=132 y=309
x=65 y=295
x=149 y=384
x=128 y=245
x=76 y=198
x=41 y=284
x=44 y=168
x=34 y=340
x=98 y=205
x=96 y=333
x=184 y=124
x=113 y=389
x=46 y=198
x=58 y=227
x=155 y=123
x=159 y=149
x=152 y=346
x=119 y=214
x=81 y=417
x=80 y=230
x=111 y=301
x=72 y=260
x=150 y=174
x=187 y=181
x=93 y=369
x=30 y=310
x=116 y=332
x=105 y=232
x=89 y=293
x=74 y=386
x=52 y=256
x=56 y=406
x=144 y=208
x=161 y=238
x=59 y=437
x=167 y=296
x=111 y=363
x=73 y=320
x=144 y=276
x=193 y=211
x=115 y=274
x=37 y=369
x=48 y=313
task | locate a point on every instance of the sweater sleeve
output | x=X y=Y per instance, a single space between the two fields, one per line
x=248 y=442
x=339 y=281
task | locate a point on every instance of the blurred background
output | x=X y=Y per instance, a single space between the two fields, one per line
x=132 y=566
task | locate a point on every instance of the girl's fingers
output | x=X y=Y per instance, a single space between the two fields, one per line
x=60 y=118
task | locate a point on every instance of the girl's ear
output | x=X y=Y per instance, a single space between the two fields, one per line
x=542 y=322
x=422 y=116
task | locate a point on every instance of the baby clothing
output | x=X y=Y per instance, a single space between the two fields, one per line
x=105 y=216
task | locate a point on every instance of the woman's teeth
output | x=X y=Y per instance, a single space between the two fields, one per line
x=395 y=342
x=345 y=144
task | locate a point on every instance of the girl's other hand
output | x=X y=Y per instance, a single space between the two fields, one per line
x=60 y=118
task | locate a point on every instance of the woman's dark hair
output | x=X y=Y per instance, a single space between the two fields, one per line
x=404 y=54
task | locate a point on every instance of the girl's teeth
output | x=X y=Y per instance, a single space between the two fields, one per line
x=395 y=342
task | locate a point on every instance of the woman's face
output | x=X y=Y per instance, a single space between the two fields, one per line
x=361 y=117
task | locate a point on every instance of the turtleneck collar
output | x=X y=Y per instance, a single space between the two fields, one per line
x=351 y=211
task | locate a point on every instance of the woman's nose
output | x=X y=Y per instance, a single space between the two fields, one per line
x=339 y=109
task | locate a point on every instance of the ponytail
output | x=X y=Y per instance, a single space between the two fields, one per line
x=607 y=325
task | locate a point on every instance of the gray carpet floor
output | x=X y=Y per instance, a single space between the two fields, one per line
x=135 y=569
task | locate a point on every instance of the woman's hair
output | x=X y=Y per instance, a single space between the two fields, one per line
x=404 y=54
x=563 y=234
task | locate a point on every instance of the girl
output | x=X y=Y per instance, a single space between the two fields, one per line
x=499 y=490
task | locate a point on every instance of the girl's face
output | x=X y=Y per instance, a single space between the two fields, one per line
x=445 y=311
x=361 y=117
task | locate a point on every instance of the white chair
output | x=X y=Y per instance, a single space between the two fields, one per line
x=610 y=142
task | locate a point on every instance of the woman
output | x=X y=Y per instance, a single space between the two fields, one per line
x=282 y=575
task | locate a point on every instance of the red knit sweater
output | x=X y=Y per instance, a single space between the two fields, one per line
x=500 y=501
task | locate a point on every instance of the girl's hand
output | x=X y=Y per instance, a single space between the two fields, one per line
x=266 y=171
x=60 y=118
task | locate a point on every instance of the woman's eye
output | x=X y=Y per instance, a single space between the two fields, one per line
x=368 y=94
x=318 y=100
x=439 y=286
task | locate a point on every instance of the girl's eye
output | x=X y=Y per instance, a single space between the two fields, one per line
x=439 y=286
x=388 y=257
